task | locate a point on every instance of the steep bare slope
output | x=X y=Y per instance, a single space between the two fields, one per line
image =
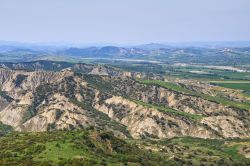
x=42 y=100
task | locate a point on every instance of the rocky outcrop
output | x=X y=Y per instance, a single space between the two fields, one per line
x=13 y=114
x=229 y=126
x=148 y=122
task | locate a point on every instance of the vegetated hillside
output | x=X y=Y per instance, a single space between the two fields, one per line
x=111 y=99
x=94 y=147
x=4 y=129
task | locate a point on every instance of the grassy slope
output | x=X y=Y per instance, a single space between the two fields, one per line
x=170 y=110
x=214 y=146
x=241 y=86
x=72 y=148
x=90 y=147
x=178 y=88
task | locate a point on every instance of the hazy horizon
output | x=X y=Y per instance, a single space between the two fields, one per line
x=127 y=22
x=103 y=44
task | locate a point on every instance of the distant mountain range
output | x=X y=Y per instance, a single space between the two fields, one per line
x=217 y=53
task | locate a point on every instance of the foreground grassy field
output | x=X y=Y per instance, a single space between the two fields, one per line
x=91 y=147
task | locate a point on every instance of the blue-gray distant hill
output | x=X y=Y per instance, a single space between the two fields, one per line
x=217 y=53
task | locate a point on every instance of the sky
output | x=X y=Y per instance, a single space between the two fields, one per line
x=124 y=21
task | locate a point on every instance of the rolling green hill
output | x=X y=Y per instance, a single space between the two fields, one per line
x=91 y=147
